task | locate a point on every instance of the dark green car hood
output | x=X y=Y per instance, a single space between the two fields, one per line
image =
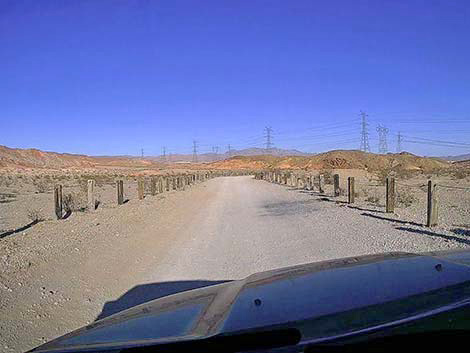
x=322 y=300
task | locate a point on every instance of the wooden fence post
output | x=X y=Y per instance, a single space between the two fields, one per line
x=390 y=195
x=350 y=190
x=153 y=186
x=336 y=184
x=91 y=196
x=320 y=183
x=58 y=201
x=120 y=191
x=167 y=183
x=140 y=188
x=432 y=216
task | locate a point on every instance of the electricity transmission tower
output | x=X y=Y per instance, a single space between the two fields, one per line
x=268 y=135
x=364 y=134
x=399 y=140
x=215 y=149
x=229 y=148
x=164 y=154
x=194 y=151
x=142 y=152
x=383 y=131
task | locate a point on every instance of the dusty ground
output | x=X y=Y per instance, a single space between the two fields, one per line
x=59 y=275
x=26 y=195
x=453 y=197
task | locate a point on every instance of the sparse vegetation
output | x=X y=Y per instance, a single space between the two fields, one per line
x=382 y=176
x=34 y=215
x=74 y=201
x=461 y=173
x=373 y=199
x=405 y=173
x=41 y=185
x=405 y=198
x=327 y=175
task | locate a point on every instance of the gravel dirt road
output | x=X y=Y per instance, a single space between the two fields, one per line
x=61 y=275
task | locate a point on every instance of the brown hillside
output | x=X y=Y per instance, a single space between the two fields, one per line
x=338 y=159
x=33 y=158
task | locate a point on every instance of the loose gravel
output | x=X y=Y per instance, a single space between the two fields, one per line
x=59 y=275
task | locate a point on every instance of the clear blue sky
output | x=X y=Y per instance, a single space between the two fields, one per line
x=112 y=77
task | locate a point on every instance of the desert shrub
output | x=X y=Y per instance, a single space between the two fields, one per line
x=74 y=201
x=103 y=180
x=405 y=198
x=83 y=185
x=405 y=173
x=6 y=181
x=41 y=186
x=460 y=173
x=382 y=176
x=373 y=199
x=34 y=215
x=327 y=176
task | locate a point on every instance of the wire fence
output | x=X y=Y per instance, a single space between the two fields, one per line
x=57 y=198
x=427 y=203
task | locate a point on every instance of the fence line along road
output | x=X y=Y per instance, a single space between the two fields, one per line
x=307 y=181
x=158 y=185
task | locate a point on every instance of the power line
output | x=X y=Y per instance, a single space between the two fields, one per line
x=320 y=136
x=329 y=126
x=439 y=141
x=383 y=131
x=447 y=121
x=268 y=135
x=364 y=133
x=437 y=144
x=194 y=151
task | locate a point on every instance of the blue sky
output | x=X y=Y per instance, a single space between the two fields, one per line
x=112 y=77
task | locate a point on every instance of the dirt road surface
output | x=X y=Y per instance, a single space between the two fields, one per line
x=61 y=275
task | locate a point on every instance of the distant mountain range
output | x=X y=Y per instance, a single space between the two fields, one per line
x=252 y=158
x=212 y=157
x=18 y=157
x=461 y=157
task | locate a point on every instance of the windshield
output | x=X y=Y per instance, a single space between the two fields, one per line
x=149 y=148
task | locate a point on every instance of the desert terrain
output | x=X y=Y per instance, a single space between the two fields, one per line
x=58 y=275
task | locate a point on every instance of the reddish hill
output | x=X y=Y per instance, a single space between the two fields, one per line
x=340 y=159
x=33 y=158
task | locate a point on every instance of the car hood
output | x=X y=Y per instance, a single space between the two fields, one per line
x=322 y=300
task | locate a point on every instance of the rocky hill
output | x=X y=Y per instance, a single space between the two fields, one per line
x=339 y=159
x=33 y=158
